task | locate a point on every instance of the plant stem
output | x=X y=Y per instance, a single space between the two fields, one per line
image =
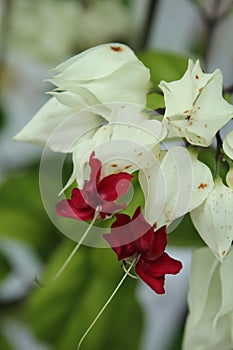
x=151 y=11
x=218 y=152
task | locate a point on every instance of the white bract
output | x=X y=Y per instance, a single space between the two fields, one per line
x=174 y=186
x=228 y=144
x=127 y=143
x=112 y=72
x=104 y=74
x=214 y=219
x=195 y=107
x=210 y=321
x=229 y=178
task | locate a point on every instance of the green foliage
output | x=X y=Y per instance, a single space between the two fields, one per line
x=4 y=267
x=22 y=215
x=155 y=101
x=185 y=234
x=4 y=344
x=65 y=308
x=164 y=66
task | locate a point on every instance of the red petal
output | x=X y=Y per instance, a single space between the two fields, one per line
x=156 y=283
x=75 y=208
x=142 y=231
x=120 y=234
x=161 y=266
x=77 y=200
x=158 y=246
x=114 y=186
x=90 y=186
x=95 y=165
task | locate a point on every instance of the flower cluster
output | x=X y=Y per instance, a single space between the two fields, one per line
x=98 y=114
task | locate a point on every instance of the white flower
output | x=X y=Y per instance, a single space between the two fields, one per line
x=195 y=107
x=214 y=219
x=228 y=144
x=174 y=186
x=112 y=72
x=127 y=143
x=104 y=74
x=210 y=321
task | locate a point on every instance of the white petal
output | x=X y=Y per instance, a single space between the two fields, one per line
x=96 y=62
x=58 y=126
x=210 y=320
x=203 y=267
x=229 y=178
x=201 y=111
x=180 y=184
x=228 y=144
x=214 y=219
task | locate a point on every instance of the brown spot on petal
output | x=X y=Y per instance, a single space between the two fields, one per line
x=128 y=166
x=155 y=225
x=200 y=90
x=197 y=76
x=114 y=165
x=223 y=252
x=139 y=154
x=116 y=48
x=202 y=186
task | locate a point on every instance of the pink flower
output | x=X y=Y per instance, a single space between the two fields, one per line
x=146 y=246
x=96 y=195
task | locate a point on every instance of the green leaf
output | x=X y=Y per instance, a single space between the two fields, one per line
x=155 y=101
x=22 y=214
x=164 y=66
x=4 y=343
x=65 y=309
x=185 y=235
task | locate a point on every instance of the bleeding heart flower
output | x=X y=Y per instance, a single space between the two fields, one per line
x=136 y=238
x=195 y=107
x=96 y=195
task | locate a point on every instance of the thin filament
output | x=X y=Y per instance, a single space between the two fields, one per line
x=106 y=304
x=74 y=251
x=130 y=274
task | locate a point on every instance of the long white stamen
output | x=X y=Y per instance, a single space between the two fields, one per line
x=106 y=304
x=130 y=274
x=74 y=251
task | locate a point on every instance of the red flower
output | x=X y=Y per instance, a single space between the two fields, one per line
x=136 y=238
x=96 y=195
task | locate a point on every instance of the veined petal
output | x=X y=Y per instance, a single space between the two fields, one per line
x=175 y=186
x=213 y=219
x=210 y=320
